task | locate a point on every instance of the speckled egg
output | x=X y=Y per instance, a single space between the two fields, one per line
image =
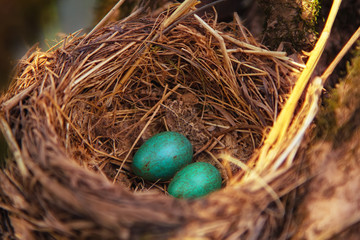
x=195 y=180
x=162 y=156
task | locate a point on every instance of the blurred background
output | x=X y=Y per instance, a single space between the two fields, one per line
x=24 y=23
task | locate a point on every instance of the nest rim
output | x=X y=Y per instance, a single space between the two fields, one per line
x=62 y=89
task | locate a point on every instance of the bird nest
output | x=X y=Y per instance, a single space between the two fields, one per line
x=75 y=115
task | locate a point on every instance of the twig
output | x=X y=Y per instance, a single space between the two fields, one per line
x=238 y=21
x=180 y=11
x=220 y=39
x=103 y=21
x=17 y=98
x=340 y=55
x=14 y=147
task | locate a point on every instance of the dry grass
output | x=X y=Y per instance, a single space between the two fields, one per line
x=75 y=115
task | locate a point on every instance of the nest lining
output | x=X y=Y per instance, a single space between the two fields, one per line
x=206 y=106
x=83 y=107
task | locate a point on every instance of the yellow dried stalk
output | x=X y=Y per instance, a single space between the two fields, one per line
x=280 y=146
x=275 y=141
x=281 y=125
x=341 y=54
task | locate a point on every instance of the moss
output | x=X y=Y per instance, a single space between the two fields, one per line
x=310 y=11
x=326 y=123
x=290 y=22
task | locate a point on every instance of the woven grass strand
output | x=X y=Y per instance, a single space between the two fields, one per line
x=275 y=139
x=94 y=101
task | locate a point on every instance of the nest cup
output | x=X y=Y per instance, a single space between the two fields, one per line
x=76 y=114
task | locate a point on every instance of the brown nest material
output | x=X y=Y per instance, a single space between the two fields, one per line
x=75 y=115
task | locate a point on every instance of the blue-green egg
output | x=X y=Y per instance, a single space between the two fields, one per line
x=161 y=156
x=195 y=180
